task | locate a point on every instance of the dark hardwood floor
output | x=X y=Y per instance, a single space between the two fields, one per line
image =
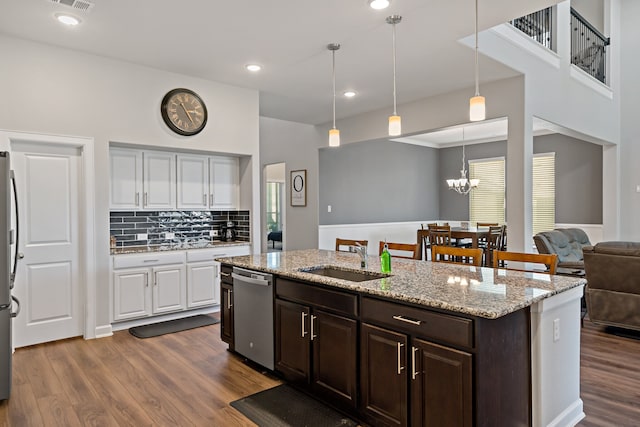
x=188 y=379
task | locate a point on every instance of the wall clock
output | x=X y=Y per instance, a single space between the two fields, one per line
x=184 y=112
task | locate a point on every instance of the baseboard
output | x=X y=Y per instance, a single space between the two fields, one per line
x=103 y=331
x=571 y=416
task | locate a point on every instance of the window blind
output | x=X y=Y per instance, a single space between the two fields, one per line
x=486 y=202
x=544 y=192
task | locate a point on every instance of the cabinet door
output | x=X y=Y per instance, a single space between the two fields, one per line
x=226 y=316
x=193 y=182
x=202 y=284
x=292 y=341
x=383 y=375
x=169 y=290
x=159 y=181
x=125 y=168
x=441 y=386
x=334 y=343
x=131 y=293
x=224 y=182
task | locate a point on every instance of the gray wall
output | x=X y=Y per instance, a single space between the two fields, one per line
x=378 y=181
x=295 y=144
x=578 y=177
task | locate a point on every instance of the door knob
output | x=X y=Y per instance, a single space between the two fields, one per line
x=20 y=255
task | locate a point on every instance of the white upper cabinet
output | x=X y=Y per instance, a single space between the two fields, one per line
x=142 y=179
x=207 y=182
x=126 y=178
x=157 y=180
x=193 y=182
x=224 y=177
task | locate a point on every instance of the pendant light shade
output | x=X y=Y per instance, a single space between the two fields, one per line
x=334 y=134
x=395 y=123
x=477 y=109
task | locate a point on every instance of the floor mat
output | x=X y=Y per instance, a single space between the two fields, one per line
x=284 y=406
x=171 y=326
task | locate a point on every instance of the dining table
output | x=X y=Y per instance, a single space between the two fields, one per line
x=458 y=233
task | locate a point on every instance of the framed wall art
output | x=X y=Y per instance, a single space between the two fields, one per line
x=299 y=188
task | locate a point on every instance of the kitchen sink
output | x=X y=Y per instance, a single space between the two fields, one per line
x=344 y=273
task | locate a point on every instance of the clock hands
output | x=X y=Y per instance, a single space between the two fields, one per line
x=188 y=115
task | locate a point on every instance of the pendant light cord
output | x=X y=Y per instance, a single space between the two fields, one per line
x=333 y=54
x=394 y=69
x=476 y=32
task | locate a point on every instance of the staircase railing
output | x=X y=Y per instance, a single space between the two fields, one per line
x=537 y=25
x=588 y=47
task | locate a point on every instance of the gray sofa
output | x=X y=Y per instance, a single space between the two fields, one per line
x=613 y=283
x=567 y=243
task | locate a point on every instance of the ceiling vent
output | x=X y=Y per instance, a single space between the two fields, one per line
x=79 y=5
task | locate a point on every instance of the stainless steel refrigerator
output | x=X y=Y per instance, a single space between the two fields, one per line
x=8 y=263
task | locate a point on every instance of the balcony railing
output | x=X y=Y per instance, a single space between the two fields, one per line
x=588 y=47
x=537 y=25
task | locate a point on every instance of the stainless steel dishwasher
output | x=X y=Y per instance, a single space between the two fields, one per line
x=253 y=315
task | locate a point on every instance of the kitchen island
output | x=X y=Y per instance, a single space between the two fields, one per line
x=431 y=344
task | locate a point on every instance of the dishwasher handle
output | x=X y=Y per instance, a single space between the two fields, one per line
x=251 y=280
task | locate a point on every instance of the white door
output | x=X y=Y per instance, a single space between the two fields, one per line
x=224 y=176
x=169 y=289
x=159 y=182
x=193 y=182
x=48 y=277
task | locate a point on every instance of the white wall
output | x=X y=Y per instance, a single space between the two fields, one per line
x=630 y=142
x=295 y=144
x=62 y=92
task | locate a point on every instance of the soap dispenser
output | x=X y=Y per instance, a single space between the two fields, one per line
x=385 y=259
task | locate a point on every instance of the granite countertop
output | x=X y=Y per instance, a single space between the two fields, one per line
x=476 y=291
x=174 y=247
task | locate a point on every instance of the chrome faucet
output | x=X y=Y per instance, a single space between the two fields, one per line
x=362 y=251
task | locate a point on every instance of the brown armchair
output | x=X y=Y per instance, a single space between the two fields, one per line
x=613 y=283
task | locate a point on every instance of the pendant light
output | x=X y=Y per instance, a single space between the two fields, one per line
x=477 y=110
x=395 y=124
x=334 y=134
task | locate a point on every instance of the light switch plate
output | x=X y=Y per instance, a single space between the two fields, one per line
x=141 y=236
x=213 y=233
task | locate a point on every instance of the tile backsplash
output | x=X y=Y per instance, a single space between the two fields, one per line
x=187 y=226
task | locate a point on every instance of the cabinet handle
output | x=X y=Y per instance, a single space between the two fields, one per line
x=145 y=199
x=229 y=305
x=302 y=318
x=414 y=373
x=155 y=279
x=404 y=319
x=211 y=199
x=137 y=198
x=151 y=260
x=222 y=273
x=146 y=280
x=400 y=367
x=204 y=199
x=313 y=335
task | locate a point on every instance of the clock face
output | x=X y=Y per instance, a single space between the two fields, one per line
x=184 y=112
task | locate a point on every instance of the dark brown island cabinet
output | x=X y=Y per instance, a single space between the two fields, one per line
x=390 y=363
x=226 y=305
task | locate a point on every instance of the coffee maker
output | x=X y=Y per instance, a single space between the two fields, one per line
x=228 y=232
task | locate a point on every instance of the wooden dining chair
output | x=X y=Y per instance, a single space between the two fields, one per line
x=549 y=260
x=455 y=255
x=402 y=250
x=440 y=235
x=347 y=243
x=492 y=243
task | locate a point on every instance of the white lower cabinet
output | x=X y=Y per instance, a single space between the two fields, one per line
x=202 y=284
x=155 y=283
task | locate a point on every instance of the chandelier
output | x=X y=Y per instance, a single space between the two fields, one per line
x=463 y=185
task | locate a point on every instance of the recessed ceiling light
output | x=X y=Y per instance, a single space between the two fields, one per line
x=253 y=67
x=67 y=19
x=379 y=4
x=349 y=93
